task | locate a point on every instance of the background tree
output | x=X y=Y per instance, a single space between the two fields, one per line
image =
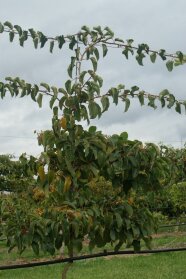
x=12 y=177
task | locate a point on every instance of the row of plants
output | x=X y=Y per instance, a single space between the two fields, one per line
x=90 y=185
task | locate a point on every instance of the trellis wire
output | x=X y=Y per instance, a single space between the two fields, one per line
x=90 y=256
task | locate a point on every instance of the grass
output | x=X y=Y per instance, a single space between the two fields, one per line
x=157 y=266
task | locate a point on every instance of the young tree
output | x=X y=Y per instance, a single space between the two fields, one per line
x=85 y=176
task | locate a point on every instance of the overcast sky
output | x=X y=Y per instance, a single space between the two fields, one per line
x=160 y=23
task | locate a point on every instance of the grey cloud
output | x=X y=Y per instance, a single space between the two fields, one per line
x=161 y=24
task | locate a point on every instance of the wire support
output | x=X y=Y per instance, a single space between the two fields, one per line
x=90 y=256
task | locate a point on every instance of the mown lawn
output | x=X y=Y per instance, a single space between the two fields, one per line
x=157 y=266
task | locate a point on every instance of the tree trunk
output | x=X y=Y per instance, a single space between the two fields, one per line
x=65 y=270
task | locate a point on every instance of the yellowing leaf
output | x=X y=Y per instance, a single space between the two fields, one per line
x=78 y=174
x=131 y=200
x=63 y=122
x=67 y=184
x=90 y=222
x=41 y=173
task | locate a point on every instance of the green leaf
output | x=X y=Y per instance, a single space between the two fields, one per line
x=130 y=41
x=162 y=96
x=105 y=103
x=94 y=110
x=62 y=90
x=51 y=46
x=121 y=86
x=124 y=136
x=61 y=102
x=85 y=28
x=84 y=38
x=94 y=63
x=52 y=101
x=180 y=61
x=61 y=41
x=100 y=81
x=162 y=54
x=68 y=86
x=11 y=90
x=9 y=79
x=19 y=29
x=1 y=28
x=127 y=104
x=164 y=93
x=119 y=40
x=169 y=65
x=171 y=100
x=28 y=88
x=112 y=235
x=11 y=36
x=23 y=93
x=136 y=245
x=77 y=244
x=94 y=87
x=184 y=104
x=180 y=56
x=109 y=32
x=151 y=102
x=35 y=247
x=55 y=91
x=34 y=93
x=126 y=52
x=178 y=107
x=142 y=47
x=23 y=38
x=153 y=57
x=8 y=24
x=115 y=95
x=20 y=82
x=139 y=58
x=141 y=97
x=50 y=248
x=118 y=246
x=69 y=70
x=81 y=77
x=39 y=100
x=58 y=241
x=46 y=86
x=119 y=220
x=92 y=129
x=129 y=210
x=72 y=43
x=94 y=36
x=71 y=66
x=133 y=89
x=33 y=33
x=148 y=243
x=105 y=50
x=133 y=161
x=162 y=100
x=98 y=29
x=96 y=52
x=42 y=39
x=55 y=111
x=36 y=41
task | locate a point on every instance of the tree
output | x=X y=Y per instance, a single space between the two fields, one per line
x=12 y=178
x=85 y=177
